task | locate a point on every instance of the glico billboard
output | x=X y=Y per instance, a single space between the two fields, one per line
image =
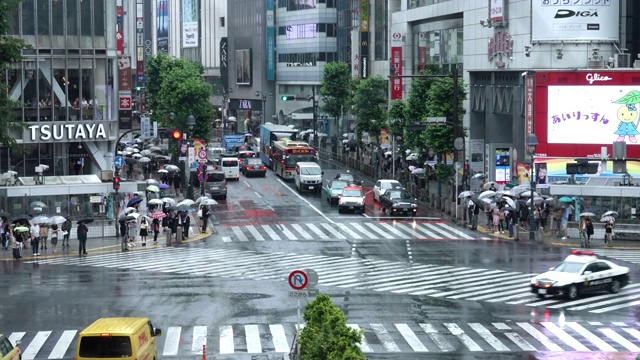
x=579 y=112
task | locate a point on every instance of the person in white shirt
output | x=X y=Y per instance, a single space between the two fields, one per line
x=35 y=238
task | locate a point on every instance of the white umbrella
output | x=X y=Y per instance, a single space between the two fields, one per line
x=387 y=153
x=412 y=157
x=536 y=199
x=172 y=168
x=128 y=149
x=528 y=194
x=417 y=171
x=151 y=182
x=144 y=159
x=520 y=189
x=187 y=202
x=588 y=214
x=169 y=201
x=508 y=193
x=155 y=202
x=509 y=202
x=478 y=176
x=58 y=219
x=610 y=213
x=136 y=150
x=208 y=202
x=136 y=156
x=40 y=219
x=128 y=210
x=202 y=198
x=465 y=194
x=163 y=171
x=145 y=152
x=487 y=194
x=488 y=185
x=411 y=168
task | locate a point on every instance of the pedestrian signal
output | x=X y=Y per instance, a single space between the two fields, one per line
x=116 y=183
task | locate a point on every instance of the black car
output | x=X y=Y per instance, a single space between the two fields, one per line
x=350 y=178
x=253 y=166
x=398 y=202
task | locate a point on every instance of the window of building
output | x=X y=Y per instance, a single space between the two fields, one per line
x=85 y=18
x=437 y=48
x=72 y=18
x=43 y=17
x=222 y=21
x=57 y=14
x=305 y=31
x=293 y=5
x=98 y=18
x=418 y=3
x=28 y=17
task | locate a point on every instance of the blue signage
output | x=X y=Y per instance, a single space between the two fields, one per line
x=118 y=161
x=193 y=165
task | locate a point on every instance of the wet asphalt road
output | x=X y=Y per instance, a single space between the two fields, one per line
x=406 y=282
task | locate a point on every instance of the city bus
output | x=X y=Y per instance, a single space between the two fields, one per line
x=270 y=133
x=286 y=154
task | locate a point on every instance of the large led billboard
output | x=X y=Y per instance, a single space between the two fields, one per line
x=587 y=114
x=575 y=20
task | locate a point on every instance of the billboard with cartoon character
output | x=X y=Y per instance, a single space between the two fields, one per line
x=579 y=112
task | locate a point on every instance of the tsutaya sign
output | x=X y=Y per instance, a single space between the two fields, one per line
x=77 y=131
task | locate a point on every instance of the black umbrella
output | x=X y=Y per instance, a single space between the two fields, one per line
x=23 y=217
x=134 y=201
x=86 y=221
x=477 y=201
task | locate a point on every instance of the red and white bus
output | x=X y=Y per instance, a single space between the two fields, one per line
x=286 y=154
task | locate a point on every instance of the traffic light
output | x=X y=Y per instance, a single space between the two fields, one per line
x=288 y=97
x=116 y=183
x=175 y=134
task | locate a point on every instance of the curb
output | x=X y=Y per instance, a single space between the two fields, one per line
x=109 y=249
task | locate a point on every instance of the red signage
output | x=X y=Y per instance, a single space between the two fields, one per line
x=529 y=87
x=496 y=10
x=124 y=72
x=300 y=151
x=396 y=64
x=125 y=102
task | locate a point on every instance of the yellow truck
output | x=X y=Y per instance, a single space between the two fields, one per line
x=118 y=338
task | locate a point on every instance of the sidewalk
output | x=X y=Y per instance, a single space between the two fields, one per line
x=549 y=239
x=102 y=245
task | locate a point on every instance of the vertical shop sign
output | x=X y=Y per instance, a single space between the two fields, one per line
x=190 y=20
x=271 y=41
x=355 y=53
x=119 y=29
x=124 y=91
x=396 y=66
x=364 y=39
x=422 y=51
x=224 y=63
x=140 y=42
x=162 y=26
x=529 y=105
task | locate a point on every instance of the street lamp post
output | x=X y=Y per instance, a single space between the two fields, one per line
x=264 y=104
x=532 y=142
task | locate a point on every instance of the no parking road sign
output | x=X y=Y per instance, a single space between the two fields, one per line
x=203 y=154
x=298 y=279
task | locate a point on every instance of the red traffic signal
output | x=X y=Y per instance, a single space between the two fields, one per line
x=116 y=183
x=175 y=134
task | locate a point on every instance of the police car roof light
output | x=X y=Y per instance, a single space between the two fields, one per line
x=582 y=252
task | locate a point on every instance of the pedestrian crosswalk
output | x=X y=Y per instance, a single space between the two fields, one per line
x=399 y=337
x=632 y=256
x=343 y=231
x=448 y=282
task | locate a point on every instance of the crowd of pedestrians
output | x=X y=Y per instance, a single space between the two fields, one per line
x=23 y=234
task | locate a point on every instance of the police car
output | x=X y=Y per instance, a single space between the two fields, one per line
x=580 y=273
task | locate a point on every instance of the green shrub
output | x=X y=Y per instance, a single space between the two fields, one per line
x=326 y=335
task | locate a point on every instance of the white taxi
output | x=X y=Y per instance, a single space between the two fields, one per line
x=352 y=198
x=580 y=273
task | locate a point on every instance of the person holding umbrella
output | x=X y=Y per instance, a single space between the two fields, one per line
x=35 y=238
x=82 y=231
x=608 y=232
x=66 y=232
x=582 y=229
x=18 y=237
x=123 y=234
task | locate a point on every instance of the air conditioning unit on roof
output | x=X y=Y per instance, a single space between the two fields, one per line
x=595 y=64
x=622 y=60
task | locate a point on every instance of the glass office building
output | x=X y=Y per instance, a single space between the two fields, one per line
x=64 y=87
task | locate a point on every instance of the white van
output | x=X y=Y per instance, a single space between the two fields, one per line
x=308 y=176
x=231 y=167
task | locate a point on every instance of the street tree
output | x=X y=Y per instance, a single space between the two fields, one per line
x=369 y=105
x=336 y=88
x=176 y=86
x=440 y=103
x=10 y=53
x=326 y=335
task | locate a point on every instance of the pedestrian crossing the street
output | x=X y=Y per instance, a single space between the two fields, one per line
x=447 y=282
x=448 y=337
x=631 y=256
x=344 y=231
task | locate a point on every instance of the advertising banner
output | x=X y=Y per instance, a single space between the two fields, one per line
x=271 y=41
x=198 y=145
x=243 y=67
x=476 y=149
x=396 y=69
x=190 y=23
x=496 y=10
x=162 y=26
x=595 y=115
x=124 y=92
x=355 y=53
x=364 y=55
x=591 y=20
x=119 y=29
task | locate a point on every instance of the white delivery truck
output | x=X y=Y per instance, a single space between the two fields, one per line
x=308 y=176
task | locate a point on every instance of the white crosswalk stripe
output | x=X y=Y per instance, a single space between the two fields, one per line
x=447 y=282
x=632 y=256
x=342 y=231
x=184 y=342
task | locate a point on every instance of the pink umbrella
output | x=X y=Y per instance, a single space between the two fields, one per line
x=158 y=215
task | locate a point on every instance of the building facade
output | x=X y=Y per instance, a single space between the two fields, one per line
x=64 y=88
x=506 y=48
